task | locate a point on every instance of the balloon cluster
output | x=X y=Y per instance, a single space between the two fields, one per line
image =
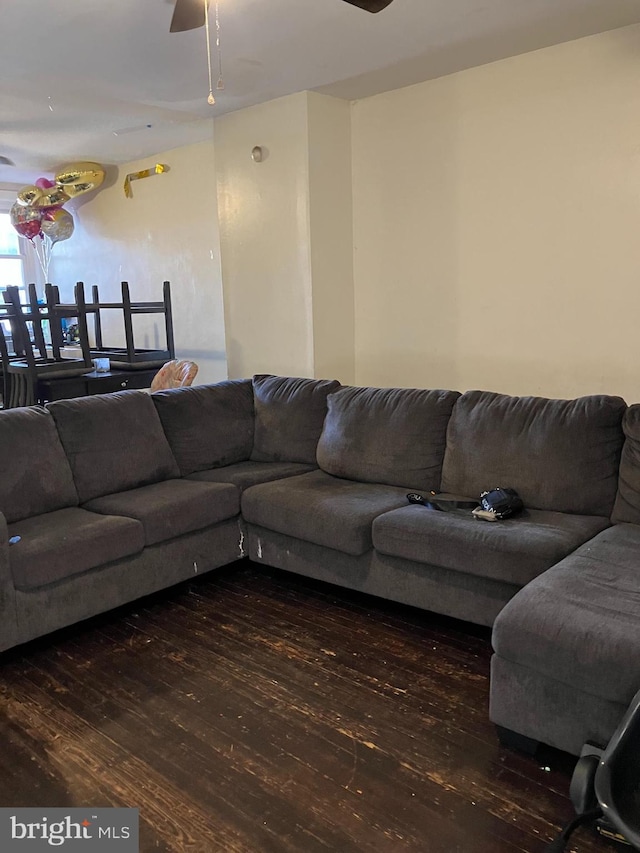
x=38 y=210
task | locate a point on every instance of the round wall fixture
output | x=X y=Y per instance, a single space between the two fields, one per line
x=257 y=154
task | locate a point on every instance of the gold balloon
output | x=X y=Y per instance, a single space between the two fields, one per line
x=52 y=197
x=28 y=195
x=79 y=178
x=79 y=189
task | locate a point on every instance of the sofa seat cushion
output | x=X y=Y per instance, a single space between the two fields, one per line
x=319 y=508
x=57 y=545
x=289 y=414
x=394 y=436
x=559 y=455
x=207 y=426
x=579 y=623
x=515 y=550
x=173 y=507
x=245 y=474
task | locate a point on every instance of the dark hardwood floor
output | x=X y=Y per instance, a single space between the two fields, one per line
x=257 y=712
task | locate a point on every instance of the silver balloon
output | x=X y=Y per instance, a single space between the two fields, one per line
x=57 y=225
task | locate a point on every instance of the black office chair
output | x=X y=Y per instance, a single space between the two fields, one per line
x=605 y=787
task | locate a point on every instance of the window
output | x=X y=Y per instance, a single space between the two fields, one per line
x=12 y=263
x=16 y=257
x=12 y=257
x=18 y=260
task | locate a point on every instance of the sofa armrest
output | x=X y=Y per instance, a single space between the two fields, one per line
x=8 y=618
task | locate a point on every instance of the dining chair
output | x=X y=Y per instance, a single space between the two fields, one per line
x=22 y=373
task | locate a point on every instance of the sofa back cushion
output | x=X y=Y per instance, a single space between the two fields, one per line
x=559 y=455
x=627 y=505
x=113 y=442
x=391 y=436
x=208 y=426
x=36 y=477
x=289 y=414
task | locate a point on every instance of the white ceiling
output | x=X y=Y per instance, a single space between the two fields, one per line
x=73 y=73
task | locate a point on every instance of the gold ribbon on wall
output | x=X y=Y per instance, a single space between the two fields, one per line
x=158 y=169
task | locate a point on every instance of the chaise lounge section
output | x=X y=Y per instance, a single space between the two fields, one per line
x=567 y=647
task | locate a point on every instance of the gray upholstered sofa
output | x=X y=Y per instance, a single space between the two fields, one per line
x=109 y=498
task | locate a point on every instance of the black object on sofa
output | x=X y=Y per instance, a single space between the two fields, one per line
x=116 y=496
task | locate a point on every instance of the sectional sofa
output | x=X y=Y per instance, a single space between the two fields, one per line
x=107 y=498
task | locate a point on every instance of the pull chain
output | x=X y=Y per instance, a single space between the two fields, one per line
x=210 y=100
x=220 y=84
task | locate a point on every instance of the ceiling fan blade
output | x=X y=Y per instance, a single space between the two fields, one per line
x=370 y=5
x=187 y=15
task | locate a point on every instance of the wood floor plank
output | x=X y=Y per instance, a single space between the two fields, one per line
x=253 y=711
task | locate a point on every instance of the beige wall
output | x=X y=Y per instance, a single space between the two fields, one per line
x=331 y=237
x=264 y=238
x=494 y=218
x=286 y=237
x=497 y=222
x=168 y=230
